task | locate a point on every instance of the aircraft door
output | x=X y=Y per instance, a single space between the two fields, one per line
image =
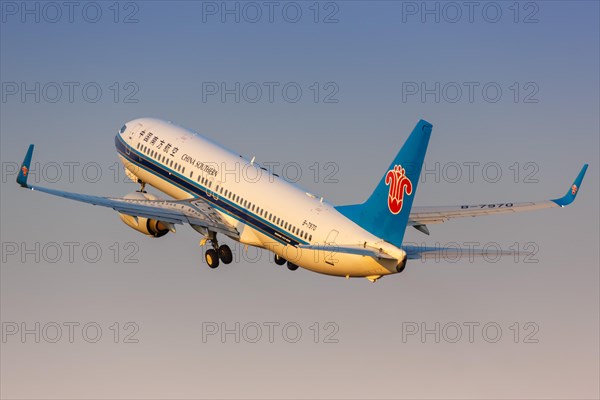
x=133 y=132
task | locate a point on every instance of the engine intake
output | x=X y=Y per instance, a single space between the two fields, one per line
x=150 y=227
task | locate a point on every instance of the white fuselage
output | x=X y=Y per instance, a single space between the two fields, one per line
x=267 y=211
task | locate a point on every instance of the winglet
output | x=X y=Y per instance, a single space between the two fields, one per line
x=22 y=177
x=573 y=190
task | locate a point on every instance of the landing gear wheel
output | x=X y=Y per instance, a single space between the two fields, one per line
x=211 y=257
x=292 y=266
x=279 y=260
x=225 y=254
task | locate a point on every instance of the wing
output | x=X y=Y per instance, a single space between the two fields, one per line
x=420 y=216
x=191 y=211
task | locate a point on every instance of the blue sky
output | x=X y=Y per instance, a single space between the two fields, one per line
x=544 y=59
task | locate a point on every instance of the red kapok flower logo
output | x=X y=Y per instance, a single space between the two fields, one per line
x=24 y=170
x=399 y=183
x=574 y=189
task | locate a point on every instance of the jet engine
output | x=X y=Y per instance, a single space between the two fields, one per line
x=150 y=227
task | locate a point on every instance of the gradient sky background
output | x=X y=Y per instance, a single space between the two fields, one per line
x=170 y=292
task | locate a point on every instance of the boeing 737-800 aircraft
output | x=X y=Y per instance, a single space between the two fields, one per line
x=263 y=210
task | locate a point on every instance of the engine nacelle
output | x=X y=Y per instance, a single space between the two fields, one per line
x=150 y=227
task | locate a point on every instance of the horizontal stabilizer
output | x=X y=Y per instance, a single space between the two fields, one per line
x=453 y=254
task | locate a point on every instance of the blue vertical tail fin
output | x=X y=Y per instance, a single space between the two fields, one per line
x=385 y=213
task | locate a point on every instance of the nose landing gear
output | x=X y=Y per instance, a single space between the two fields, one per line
x=142 y=186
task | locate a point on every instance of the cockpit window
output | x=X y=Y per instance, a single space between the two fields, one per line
x=123 y=129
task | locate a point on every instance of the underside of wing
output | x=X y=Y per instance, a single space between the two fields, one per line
x=193 y=211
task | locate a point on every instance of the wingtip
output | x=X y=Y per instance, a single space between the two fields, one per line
x=24 y=171
x=571 y=194
x=426 y=126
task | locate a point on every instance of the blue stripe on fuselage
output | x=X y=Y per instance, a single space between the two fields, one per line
x=196 y=190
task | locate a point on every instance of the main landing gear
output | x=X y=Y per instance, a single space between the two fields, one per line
x=217 y=253
x=280 y=261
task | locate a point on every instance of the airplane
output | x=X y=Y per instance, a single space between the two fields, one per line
x=263 y=210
